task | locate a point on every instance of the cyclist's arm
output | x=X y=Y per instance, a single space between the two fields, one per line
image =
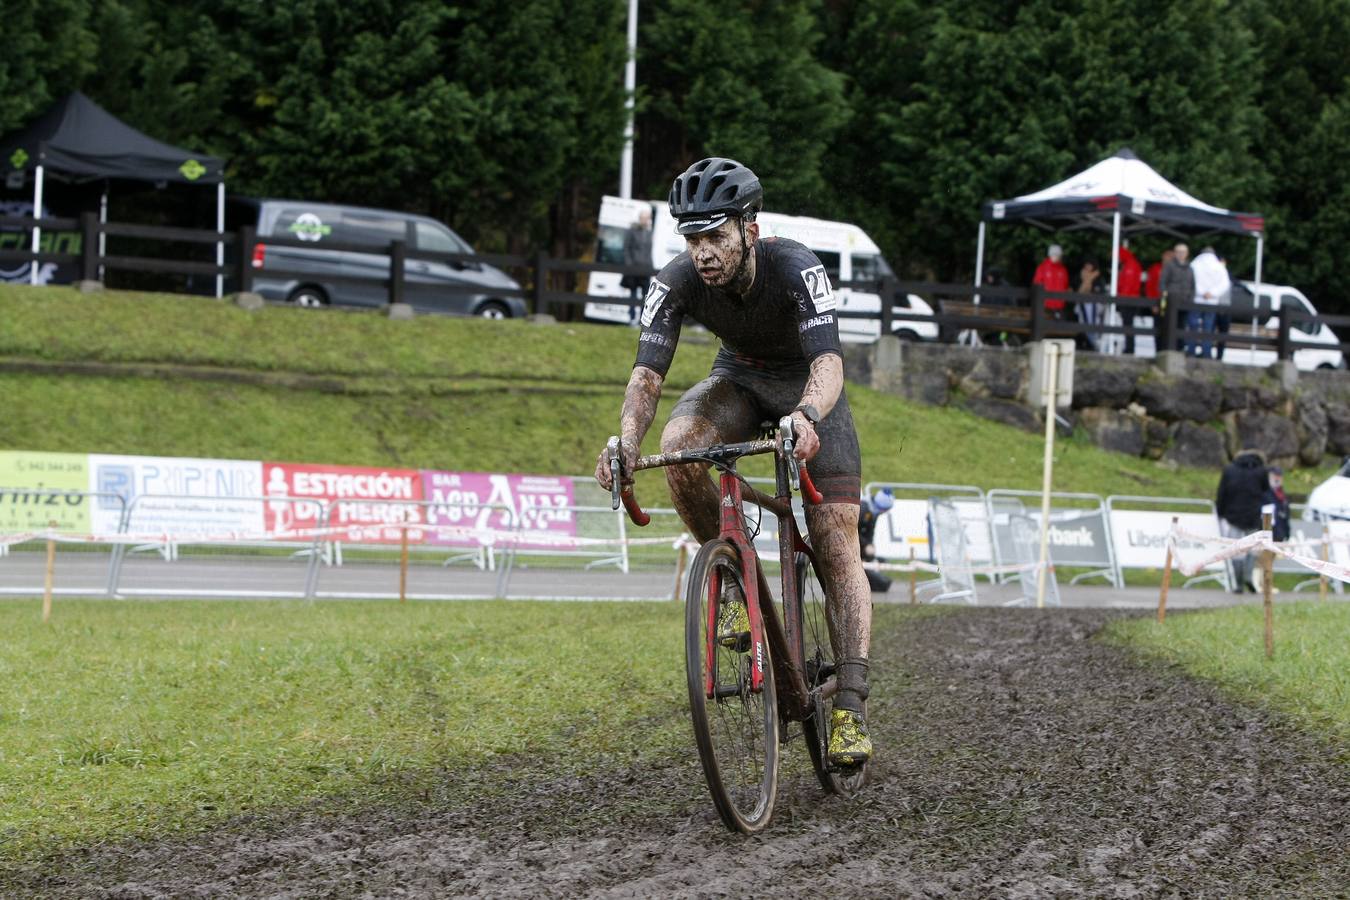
x=639 y=406
x=825 y=383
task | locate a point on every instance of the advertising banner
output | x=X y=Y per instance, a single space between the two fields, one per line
x=175 y=495
x=904 y=526
x=367 y=507
x=23 y=474
x=1140 y=537
x=1077 y=537
x=463 y=500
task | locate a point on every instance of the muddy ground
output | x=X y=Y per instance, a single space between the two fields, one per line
x=1017 y=758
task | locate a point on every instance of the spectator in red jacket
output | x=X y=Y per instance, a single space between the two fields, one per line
x=1051 y=275
x=1128 y=279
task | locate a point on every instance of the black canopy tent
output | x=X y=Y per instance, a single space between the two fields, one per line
x=78 y=140
x=1123 y=195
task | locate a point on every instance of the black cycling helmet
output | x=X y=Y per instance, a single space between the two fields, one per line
x=711 y=190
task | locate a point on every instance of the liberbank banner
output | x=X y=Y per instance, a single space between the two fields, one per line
x=186 y=496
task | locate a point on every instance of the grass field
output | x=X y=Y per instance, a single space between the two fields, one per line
x=196 y=377
x=1309 y=678
x=150 y=718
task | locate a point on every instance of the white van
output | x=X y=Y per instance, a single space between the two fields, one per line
x=1269 y=299
x=846 y=251
x=1330 y=500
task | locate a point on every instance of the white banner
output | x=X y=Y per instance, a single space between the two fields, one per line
x=906 y=525
x=1140 y=536
x=207 y=487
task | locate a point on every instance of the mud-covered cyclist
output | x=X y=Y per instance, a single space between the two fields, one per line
x=772 y=305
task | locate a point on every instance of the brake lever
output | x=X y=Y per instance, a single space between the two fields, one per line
x=785 y=435
x=614 y=488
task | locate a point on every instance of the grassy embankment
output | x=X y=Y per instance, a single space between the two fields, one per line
x=165 y=375
x=1308 y=680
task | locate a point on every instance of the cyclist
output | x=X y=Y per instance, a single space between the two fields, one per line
x=772 y=305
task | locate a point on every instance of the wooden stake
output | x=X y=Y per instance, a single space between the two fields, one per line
x=1322 y=578
x=680 y=560
x=403 y=568
x=913 y=580
x=51 y=576
x=1267 y=576
x=1167 y=577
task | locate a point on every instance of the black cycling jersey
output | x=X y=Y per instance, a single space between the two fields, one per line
x=786 y=319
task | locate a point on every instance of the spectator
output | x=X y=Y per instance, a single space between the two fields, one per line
x=637 y=251
x=1051 y=275
x=1153 y=290
x=1177 y=286
x=869 y=511
x=1090 y=282
x=1211 y=286
x=1277 y=504
x=1242 y=489
x=993 y=278
x=1128 y=281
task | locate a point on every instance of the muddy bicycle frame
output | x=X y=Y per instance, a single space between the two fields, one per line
x=797 y=701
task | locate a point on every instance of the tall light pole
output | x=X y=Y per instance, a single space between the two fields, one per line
x=629 y=87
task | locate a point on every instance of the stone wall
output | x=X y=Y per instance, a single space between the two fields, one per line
x=1189 y=411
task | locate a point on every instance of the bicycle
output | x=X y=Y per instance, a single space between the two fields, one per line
x=739 y=716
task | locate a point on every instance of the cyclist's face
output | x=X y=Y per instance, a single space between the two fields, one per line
x=717 y=253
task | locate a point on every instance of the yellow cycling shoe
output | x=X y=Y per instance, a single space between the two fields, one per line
x=849 y=742
x=733 y=624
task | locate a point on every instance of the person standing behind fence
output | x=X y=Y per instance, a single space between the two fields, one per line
x=1242 y=490
x=1051 y=275
x=869 y=511
x=1177 y=286
x=637 y=251
x=1128 y=280
x=1211 y=286
x=1090 y=282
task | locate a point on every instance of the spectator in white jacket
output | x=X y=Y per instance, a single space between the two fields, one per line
x=1211 y=289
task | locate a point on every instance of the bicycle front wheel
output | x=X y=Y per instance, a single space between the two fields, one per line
x=819 y=658
x=736 y=729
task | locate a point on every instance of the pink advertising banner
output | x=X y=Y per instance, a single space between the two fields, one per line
x=491 y=505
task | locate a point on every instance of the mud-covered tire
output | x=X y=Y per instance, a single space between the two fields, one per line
x=818 y=655
x=736 y=735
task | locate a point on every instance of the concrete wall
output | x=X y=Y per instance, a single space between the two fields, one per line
x=1191 y=411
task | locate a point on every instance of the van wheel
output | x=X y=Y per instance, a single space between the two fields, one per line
x=494 y=309
x=1327 y=366
x=308 y=297
x=905 y=334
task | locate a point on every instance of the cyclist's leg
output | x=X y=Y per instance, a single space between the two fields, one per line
x=714 y=411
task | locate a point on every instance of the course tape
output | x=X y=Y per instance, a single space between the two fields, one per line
x=1235 y=547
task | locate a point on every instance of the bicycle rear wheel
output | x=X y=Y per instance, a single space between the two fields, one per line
x=818 y=655
x=736 y=730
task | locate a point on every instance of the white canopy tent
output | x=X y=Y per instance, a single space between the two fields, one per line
x=1124 y=195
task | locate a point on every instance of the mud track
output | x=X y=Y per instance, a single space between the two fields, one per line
x=1019 y=758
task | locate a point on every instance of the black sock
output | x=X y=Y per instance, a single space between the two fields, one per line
x=852 y=675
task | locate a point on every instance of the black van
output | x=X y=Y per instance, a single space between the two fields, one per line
x=462 y=288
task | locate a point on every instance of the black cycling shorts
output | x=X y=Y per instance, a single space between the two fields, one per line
x=736 y=401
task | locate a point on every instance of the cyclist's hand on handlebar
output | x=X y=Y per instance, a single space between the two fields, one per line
x=806 y=444
x=627 y=460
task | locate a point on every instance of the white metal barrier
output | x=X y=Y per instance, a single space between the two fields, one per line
x=1139 y=536
x=1079 y=533
x=906 y=526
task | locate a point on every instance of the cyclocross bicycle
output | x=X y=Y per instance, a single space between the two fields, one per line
x=745 y=702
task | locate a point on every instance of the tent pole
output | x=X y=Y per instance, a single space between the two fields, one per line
x=979 y=260
x=220 y=229
x=1256 y=299
x=102 y=238
x=1115 y=277
x=37 y=229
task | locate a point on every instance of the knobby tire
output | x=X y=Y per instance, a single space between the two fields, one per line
x=737 y=736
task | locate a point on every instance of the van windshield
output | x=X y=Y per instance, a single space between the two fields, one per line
x=609 y=245
x=870 y=267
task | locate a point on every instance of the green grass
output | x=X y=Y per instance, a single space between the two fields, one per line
x=1308 y=680
x=123 y=717
x=435 y=393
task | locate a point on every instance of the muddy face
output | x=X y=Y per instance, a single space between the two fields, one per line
x=717 y=254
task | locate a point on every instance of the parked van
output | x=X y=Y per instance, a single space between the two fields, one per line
x=1263 y=303
x=1330 y=500
x=846 y=251
x=463 y=288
